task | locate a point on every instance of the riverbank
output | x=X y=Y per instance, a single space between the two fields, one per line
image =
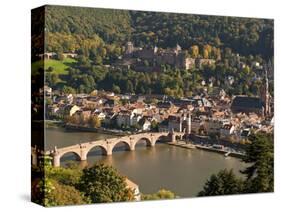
x=53 y=123
x=78 y=128
x=221 y=151
x=182 y=144
x=225 y=152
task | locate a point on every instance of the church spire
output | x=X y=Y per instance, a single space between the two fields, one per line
x=265 y=92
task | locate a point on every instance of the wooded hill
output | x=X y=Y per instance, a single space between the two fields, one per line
x=68 y=25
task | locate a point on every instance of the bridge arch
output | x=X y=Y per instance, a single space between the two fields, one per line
x=122 y=141
x=97 y=146
x=146 y=139
x=161 y=138
x=71 y=152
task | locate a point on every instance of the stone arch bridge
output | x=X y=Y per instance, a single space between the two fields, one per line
x=107 y=145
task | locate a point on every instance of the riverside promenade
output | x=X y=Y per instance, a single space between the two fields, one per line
x=225 y=151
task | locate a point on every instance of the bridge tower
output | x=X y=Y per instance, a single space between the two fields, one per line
x=56 y=158
x=34 y=157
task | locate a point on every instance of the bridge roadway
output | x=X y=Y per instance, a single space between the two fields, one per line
x=107 y=145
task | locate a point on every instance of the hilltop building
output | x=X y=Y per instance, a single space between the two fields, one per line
x=151 y=59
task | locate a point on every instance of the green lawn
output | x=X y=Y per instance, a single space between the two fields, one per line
x=58 y=66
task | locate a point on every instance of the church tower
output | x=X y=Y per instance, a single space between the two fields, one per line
x=265 y=95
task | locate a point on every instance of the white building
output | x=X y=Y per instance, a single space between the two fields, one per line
x=145 y=124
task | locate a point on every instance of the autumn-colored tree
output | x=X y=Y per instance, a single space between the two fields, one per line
x=65 y=195
x=194 y=51
x=207 y=51
x=94 y=122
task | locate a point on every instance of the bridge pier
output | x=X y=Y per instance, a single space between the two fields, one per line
x=109 y=151
x=132 y=145
x=173 y=137
x=83 y=155
x=153 y=141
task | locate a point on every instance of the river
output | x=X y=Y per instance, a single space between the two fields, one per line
x=183 y=171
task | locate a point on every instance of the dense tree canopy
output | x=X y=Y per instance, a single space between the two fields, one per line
x=260 y=175
x=244 y=35
x=65 y=195
x=110 y=25
x=104 y=184
x=223 y=183
x=69 y=26
x=161 y=194
x=99 y=36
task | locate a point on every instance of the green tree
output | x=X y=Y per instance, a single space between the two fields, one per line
x=60 y=56
x=69 y=175
x=223 y=183
x=65 y=195
x=259 y=153
x=41 y=185
x=103 y=183
x=161 y=194
x=154 y=125
x=68 y=90
x=41 y=191
x=98 y=60
x=129 y=87
x=116 y=89
x=50 y=69
x=54 y=79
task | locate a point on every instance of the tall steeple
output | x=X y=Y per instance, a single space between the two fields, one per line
x=265 y=95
